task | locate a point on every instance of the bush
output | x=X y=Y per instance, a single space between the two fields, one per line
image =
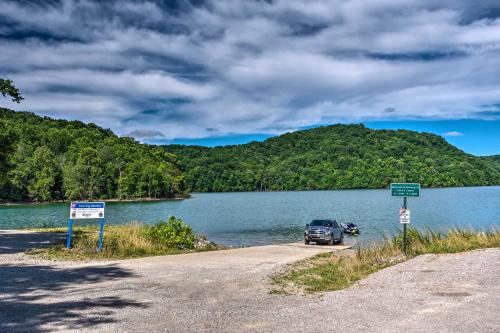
x=127 y=241
x=174 y=233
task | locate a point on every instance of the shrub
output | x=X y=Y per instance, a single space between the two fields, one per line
x=174 y=233
x=127 y=241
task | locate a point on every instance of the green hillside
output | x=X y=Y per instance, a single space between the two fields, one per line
x=334 y=157
x=493 y=158
x=42 y=159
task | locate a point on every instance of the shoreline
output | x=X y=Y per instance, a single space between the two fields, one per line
x=189 y=195
x=345 y=189
x=29 y=203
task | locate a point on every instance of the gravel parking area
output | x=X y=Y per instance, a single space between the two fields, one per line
x=228 y=291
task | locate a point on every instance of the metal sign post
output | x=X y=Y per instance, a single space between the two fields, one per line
x=70 y=230
x=405 y=190
x=86 y=210
x=404 y=218
x=101 y=232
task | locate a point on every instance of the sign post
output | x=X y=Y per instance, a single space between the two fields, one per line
x=70 y=230
x=101 y=232
x=405 y=190
x=86 y=210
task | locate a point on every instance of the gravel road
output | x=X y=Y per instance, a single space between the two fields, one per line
x=228 y=291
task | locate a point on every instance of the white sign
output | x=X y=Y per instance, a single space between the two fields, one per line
x=87 y=210
x=404 y=216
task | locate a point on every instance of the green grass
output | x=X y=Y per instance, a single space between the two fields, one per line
x=119 y=242
x=328 y=272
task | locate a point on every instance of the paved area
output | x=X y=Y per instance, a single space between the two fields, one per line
x=228 y=291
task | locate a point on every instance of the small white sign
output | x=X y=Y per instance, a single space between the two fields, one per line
x=404 y=216
x=87 y=210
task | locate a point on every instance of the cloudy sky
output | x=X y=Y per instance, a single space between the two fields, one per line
x=216 y=72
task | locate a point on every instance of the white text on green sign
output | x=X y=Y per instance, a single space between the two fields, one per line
x=405 y=189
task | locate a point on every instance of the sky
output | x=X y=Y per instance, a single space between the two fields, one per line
x=225 y=72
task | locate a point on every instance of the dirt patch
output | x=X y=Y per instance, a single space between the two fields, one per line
x=451 y=294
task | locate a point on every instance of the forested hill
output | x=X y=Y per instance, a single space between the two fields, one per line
x=493 y=158
x=334 y=157
x=43 y=159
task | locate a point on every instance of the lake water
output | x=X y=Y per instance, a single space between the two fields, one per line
x=255 y=218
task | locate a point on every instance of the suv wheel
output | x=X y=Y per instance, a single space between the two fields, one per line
x=341 y=239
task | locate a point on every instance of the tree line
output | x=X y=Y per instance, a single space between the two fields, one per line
x=333 y=157
x=42 y=159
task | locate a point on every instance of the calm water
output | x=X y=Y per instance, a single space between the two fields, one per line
x=275 y=217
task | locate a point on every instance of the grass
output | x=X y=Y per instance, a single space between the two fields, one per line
x=119 y=242
x=328 y=272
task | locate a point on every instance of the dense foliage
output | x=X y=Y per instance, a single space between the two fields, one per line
x=493 y=158
x=125 y=241
x=334 y=157
x=7 y=88
x=174 y=233
x=43 y=159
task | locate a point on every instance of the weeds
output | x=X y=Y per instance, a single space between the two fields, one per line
x=129 y=241
x=333 y=272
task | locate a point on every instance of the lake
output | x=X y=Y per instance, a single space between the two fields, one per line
x=256 y=218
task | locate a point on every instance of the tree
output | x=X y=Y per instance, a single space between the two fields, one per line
x=84 y=178
x=333 y=157
x=6 y=136
x=44 y=171
x=7 y=147
x=20 y=171
x=8 y=88
x=43 y=159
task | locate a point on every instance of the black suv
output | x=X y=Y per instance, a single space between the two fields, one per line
x=323 y=231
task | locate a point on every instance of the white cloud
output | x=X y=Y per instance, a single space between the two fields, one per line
x=453 y=133
x=127 y=83
x=244 y=66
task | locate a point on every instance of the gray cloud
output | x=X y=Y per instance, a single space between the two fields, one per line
x=251 y=66
x=145 y=134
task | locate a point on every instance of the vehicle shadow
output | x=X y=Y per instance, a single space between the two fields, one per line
x=39 y=298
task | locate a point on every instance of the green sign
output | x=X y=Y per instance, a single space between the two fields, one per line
x=405 y=189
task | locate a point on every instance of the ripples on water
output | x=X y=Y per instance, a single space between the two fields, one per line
x=256 y=218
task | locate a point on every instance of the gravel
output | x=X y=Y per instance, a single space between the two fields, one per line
x=228 y=291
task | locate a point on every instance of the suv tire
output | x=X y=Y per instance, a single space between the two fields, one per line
x=341 y=239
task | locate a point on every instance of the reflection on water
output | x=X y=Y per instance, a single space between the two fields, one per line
x=275 y=217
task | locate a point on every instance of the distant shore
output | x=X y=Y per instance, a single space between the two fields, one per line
x=22 y=203
x=189 y=195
